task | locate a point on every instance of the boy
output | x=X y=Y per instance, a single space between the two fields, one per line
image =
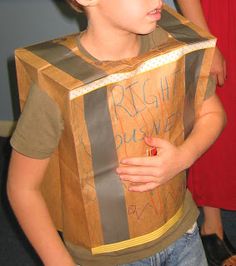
x=115 y=32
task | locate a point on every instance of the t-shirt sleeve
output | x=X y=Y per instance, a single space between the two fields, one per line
x=39 y=127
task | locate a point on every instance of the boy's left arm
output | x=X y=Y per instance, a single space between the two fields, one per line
x=146 y=173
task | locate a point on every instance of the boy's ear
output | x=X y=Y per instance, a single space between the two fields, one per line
x=87 y=3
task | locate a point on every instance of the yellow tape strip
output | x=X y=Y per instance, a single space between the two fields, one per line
x=141 y=239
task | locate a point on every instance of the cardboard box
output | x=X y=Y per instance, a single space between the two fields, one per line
x=108 y=108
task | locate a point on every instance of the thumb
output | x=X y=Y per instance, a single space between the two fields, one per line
x=156 y=142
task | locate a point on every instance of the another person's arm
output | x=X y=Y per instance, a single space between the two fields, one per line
x=23 y=188
x=192 y=10
x=146 y=173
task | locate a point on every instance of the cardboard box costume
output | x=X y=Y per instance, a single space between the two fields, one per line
x=108 y=108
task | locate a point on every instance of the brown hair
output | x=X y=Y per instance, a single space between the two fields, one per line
x=75 y=5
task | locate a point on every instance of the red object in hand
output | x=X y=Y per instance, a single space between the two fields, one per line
x=151 y=151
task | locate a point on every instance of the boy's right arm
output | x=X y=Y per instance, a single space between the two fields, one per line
x=23 y=188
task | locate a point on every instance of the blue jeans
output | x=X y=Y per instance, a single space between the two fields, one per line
x=186 y=251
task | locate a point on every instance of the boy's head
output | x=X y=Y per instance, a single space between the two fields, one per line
x=134 y=16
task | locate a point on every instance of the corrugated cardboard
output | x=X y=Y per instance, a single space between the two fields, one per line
x=108 y=108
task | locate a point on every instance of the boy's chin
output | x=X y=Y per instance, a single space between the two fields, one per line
x=144 y=32
x=147 y=30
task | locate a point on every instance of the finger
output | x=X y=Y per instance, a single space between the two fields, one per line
x=225 y=69
x=156 y=142
x=141 y=171
x=220 y=79
x=138 y=178
x=140 y=161
x=143 y=187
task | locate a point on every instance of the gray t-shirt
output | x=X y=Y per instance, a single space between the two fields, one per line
x=40 y=125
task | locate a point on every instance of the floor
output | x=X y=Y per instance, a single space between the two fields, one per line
x=15 y=250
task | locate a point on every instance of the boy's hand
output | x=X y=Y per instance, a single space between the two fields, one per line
x=146 y=173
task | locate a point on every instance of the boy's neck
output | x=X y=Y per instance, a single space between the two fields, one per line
x=109 y=46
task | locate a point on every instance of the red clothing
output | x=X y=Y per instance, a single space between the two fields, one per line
x=212 y=180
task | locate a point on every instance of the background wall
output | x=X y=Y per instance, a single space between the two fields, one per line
x=25 y=22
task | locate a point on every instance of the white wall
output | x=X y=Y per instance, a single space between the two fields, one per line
x=22 y=23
